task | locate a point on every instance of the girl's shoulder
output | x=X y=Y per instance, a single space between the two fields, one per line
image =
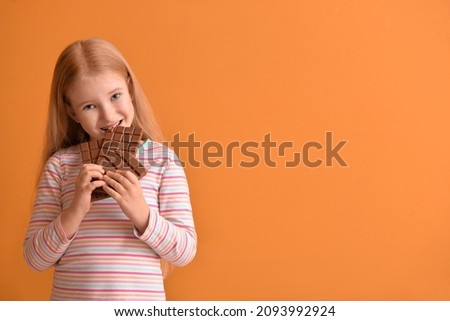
x=68 y=152
x=62 y=163
x=66 y=156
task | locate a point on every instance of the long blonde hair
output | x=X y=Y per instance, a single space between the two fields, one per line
x=86 y=57
x=83 y=57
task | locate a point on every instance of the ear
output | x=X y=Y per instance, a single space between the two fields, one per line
x=71 y=113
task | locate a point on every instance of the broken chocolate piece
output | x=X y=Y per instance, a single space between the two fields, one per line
x=132 y=163
x=89 y=151
x=123 y=138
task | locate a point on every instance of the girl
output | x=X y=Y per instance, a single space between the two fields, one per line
x=108 y=249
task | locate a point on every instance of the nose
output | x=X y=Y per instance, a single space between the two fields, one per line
x=107 y=113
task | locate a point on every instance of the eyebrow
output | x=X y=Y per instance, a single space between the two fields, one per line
x=115 y=89
x=109 y=93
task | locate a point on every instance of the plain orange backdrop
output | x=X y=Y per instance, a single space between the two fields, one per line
x=375 y=73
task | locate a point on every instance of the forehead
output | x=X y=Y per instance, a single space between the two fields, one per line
x=95 y=84
x=102 y=79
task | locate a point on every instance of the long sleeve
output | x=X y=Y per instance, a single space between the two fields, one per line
x=171 y=233
x=45 y=240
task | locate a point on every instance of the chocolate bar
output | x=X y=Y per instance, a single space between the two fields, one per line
x=89 y=151
x=116 y=151
x=115 y=159
x=124 y=138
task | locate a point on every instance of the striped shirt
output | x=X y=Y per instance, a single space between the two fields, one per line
x=107 y=259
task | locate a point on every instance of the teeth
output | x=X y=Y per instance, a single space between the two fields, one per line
x=112 y=127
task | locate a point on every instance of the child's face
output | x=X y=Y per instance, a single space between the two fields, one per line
x=100 y=102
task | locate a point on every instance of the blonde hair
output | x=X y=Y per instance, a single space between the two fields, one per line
x=86 y=57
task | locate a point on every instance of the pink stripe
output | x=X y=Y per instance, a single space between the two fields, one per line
x=107 y=290
x=41 y=221
x=162 y=237
x=123 y=264
x=108 y=272
x=52 y=171
x=73 y=165
x=187 y=227
x=173 y=193
x=175 y=210
x=49 y=187
x=113 y=281
x=105 y=237
x=154 y=173
x=105 y=203
x=112 y=254
x=173 y=177
x=148 y=188
x=46 y=204
x=106 y=220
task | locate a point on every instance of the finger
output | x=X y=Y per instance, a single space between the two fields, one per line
x=90 y=171
x=111 y=192
x=119 y=177
x=130 y=176
x=95 y=184
x=113 y=183
x=90 y=176
x=95 y=174
x=92 y=167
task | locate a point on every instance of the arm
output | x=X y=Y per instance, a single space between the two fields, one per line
x=45 y=240
x=171 y=232
x=51 y=229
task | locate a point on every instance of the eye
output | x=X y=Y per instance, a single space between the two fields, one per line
x=88 y=107
x=116 y=96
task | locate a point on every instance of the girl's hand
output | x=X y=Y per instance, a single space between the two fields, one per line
x=85 y=185
x=124 y=187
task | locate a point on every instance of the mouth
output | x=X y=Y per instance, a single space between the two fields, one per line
x=112 y=126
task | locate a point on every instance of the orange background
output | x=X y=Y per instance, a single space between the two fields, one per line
x=375 y=73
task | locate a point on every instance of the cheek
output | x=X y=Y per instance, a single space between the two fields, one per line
x=128 y=105
x=87 y=120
